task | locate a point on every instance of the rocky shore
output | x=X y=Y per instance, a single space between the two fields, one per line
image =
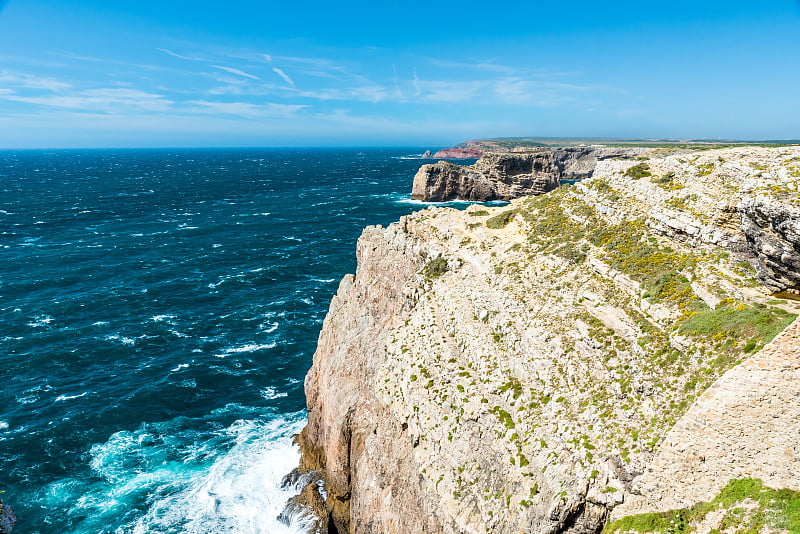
x=7 y=518
x=614 y=350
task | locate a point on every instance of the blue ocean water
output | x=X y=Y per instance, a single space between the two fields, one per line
x=158 y=312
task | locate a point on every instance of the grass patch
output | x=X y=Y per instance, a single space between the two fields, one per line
x=754 y=326
x=479 y=213
x=638 y=171
x=501 y=220
x=774 y=509
x=436 y=268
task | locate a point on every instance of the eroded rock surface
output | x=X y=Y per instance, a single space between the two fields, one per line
x=505 y=176
x=773 y=230
x=747 y=425
x=7 y=519
x=529 y=368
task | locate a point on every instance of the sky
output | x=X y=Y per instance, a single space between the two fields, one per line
x=147 y=73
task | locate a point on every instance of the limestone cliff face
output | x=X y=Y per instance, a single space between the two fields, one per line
x=505 y=176
x=773 y=230
x=745 y=426
x=543 y=366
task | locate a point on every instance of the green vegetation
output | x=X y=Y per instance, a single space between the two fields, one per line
x=640 y=170
x=749 y=507
x=664 y=179
x=436 y=268
x=504 y=417
x=501 y=220
x=758 y=323
x=479 y=213
x=704 y=169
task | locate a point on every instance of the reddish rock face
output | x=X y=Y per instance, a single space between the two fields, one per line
x=458 y=153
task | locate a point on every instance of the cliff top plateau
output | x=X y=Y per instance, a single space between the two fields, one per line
x=612 y=354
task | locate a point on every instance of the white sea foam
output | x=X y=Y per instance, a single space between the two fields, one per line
x=188 y=481
x=3 y=425
x=122 y=339
x=163 y=318
x=178 y=334
x=40 y=321
x=241 y=492
x=100 y=323
x=268 y=329
x=252 y=347
x=179 y=367
x=270 y=393
x=61 y=398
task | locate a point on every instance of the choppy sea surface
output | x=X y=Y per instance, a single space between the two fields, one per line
x=158 y=312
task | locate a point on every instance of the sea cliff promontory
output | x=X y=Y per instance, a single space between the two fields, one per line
x=613 y=350
x=509 y=175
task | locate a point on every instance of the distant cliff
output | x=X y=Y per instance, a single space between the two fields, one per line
x=453 y=153
x=603 y=351
x=504 y=176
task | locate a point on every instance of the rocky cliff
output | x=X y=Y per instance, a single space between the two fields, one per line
x=504 y=176
x=600 y=351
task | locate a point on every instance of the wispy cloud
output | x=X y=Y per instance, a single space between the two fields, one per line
x=478 y=65
x=246 y=109
x=106 y=100
x=417 y=90
x=236 y=71
x=179 y=56
x=31 y=81
x=366 y=93
x=283 y=75
x=397 y=90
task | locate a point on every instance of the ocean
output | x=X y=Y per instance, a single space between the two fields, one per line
x=158 y=312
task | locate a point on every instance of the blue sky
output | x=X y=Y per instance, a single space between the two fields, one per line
x=91 y=73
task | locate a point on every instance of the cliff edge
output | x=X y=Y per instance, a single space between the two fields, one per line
x=550 y=365
x=505 y=176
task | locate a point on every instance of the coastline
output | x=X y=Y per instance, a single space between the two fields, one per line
x=398 y=445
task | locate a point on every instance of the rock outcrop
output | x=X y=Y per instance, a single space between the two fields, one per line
x=773 y=230
x=458 y=153
x=547 y=365
x=505 y=176
x=7 y=518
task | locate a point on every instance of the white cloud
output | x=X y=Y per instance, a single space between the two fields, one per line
x=366 y=93
x=236 y=71
x=31 y=81
x=246 y=109
x=283 y=75
x=179 y=56
x=108 y=100
x=449 y=91
x=479 y=65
